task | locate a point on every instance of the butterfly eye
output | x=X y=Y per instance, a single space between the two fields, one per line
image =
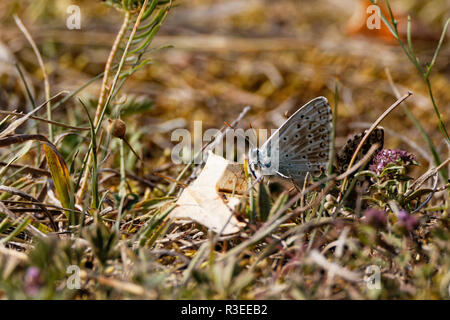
x=296 y=136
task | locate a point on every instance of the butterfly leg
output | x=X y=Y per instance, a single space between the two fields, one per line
x=290 y=179
x=255 y=183
x=282 y=175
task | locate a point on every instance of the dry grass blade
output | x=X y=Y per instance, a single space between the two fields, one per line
x=119 y=285
x=58 y=208
x=34 y=231
x=59 y=124
x=26 y=196
x=22 y=257
x=430 y=196
x=333 y=268
x=27 y=169
x=131 y=176
x=44 y=71
x=421 y=180
x=14 y=125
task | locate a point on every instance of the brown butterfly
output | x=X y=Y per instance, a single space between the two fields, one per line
x=346 y=153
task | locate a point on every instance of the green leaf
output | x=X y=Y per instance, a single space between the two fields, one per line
x=279 y=203
x=149 y=231
x=391 y=167
x=263 y=204
x=61 y=178
x=366 y=173
x=18 y=230
x=418 y=194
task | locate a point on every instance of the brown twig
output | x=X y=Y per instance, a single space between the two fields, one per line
x=44 y=72
x=24 y=195
x=27 y=169
x=59 y=124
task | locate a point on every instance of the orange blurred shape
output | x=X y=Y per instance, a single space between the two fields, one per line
x=364 y=22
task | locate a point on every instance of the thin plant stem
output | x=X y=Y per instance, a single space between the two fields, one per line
x=411 y=55
x=100 y=105
x=44 y=73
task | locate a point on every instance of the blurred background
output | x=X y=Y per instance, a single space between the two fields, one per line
x=272 y=55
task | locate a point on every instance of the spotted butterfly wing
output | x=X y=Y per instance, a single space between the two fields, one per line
x=302 y=143
x=344 y=156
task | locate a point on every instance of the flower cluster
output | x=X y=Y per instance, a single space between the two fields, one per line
x=387 y=156
x=33 y=281
x=375 y=217
x=406 y=221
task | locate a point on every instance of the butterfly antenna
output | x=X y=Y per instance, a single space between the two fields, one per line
x=240 y=135
x=253 y=130
x=254 y=184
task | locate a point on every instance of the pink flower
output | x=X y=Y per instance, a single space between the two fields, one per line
x=387 y=156
x=407 y=221
x=33 y=281
x=375 y=217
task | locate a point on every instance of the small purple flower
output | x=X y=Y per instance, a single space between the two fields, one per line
x=387 y=156
x=407 y=221
x=375 y=217
x=33 y=281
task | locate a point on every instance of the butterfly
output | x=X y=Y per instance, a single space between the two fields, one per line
x=344 y=156
x=346 y=153
x=299 y=146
